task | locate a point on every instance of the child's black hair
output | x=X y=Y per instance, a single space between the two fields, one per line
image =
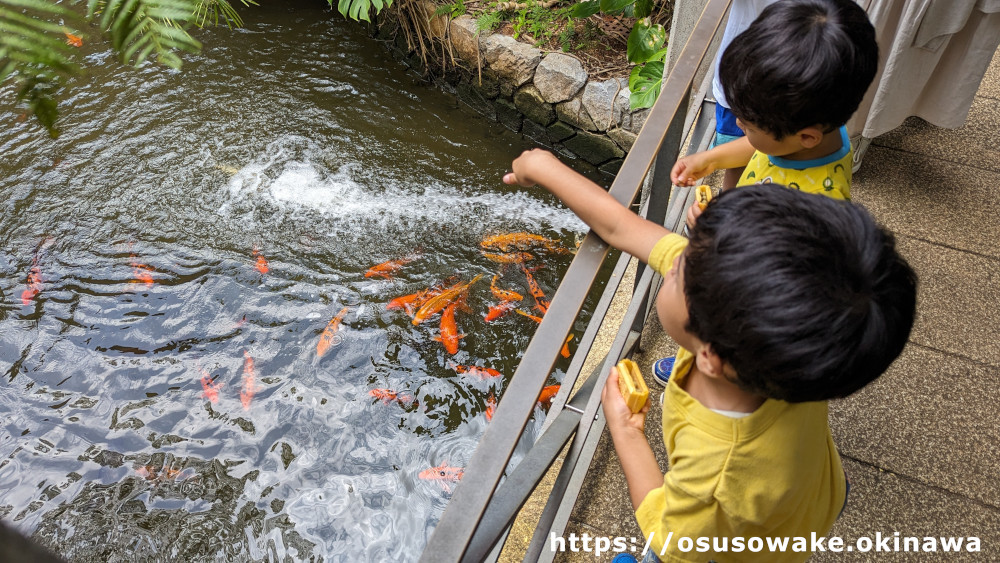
x=804 y=296
x=801 y=63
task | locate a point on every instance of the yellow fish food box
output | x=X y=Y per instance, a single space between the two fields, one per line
x=703 y=195
x=632 y=386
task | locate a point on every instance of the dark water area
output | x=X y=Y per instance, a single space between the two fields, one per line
x=168 y=267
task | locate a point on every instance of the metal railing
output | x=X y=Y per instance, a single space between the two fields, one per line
x=479 y=514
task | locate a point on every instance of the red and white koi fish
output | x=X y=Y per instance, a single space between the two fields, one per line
x=34 y=280
x=34 y=283
x=389 y=267
x=521 y=241
x=442 y=300
x=476 y=371
x=210 y=387
x=249 y=381
x=547 y=394
x=491 y=407
x=443 y=474
x=449 y=329
x=261 y=262
x=330 y=333
x=388 y=395
x=541 y=303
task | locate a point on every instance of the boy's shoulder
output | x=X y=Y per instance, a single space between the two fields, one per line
x=829 y=175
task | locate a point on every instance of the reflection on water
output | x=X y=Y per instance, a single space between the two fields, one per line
x=169 y=266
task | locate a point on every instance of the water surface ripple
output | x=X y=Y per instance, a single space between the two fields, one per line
x=300 y=138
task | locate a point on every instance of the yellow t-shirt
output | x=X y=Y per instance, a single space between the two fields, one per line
x=774 y=473
x=830 y=175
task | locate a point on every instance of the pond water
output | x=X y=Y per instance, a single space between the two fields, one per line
x=169 y=266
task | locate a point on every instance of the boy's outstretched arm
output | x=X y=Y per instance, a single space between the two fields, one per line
x=642 y=472
x=734 y=154
x=616 y=224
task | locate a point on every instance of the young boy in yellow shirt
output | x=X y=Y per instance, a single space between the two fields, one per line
x=779 y=301
x=792 y=79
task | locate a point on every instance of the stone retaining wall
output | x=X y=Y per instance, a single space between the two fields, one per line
x=546 y=96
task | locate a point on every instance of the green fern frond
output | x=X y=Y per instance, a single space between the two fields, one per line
x=141 y=28
x=211 y=11
x=34 y=53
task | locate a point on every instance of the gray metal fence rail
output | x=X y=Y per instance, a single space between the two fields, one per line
x=478 y=514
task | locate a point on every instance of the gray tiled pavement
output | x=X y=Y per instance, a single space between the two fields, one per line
x=922 y=444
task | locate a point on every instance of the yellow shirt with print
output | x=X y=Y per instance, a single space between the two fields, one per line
x=829 y=175
x=775 y=473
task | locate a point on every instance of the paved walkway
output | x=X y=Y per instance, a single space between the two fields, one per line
x=921 y=444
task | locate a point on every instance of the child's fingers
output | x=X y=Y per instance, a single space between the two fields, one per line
x=693 y=213
x=509 y=178
x=677 y=172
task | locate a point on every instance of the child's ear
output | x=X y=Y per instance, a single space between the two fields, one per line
x=708 y=362
x=810 y=136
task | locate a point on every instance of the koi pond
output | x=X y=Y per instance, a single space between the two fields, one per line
x=209 y=289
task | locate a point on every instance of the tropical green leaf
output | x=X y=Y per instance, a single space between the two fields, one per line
x=643 y=8
x=585 y=9
x=614 y=6
x=644 y=82
x=645 y=41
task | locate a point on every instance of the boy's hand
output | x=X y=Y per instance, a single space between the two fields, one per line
x=693 y=213
x=526 y=164
x=617 y=413
x=689 y=169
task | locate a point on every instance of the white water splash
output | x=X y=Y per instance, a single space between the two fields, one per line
x=299 y=189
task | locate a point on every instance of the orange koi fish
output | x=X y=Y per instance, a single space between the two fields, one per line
x=521 y=241
x=449 y=329
x=509 y=257
x=408 y=302
x=141 y=273
x=541 y=303
x=249 y=381
x=389 y=267
x=547 y=394
x=565 y=348
x=477 y=371
x=326 y=340
x=210 y=387
x=440 y=301
x=491 y=407
x=443 y=474
x=524 y=313
x=73 y=40
x=499 y=310
x=504 y=294
x=34 y=283
x=414 y=301
x=261 y=265
x=388 y=395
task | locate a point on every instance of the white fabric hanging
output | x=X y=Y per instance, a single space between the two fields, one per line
x=933 y=55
